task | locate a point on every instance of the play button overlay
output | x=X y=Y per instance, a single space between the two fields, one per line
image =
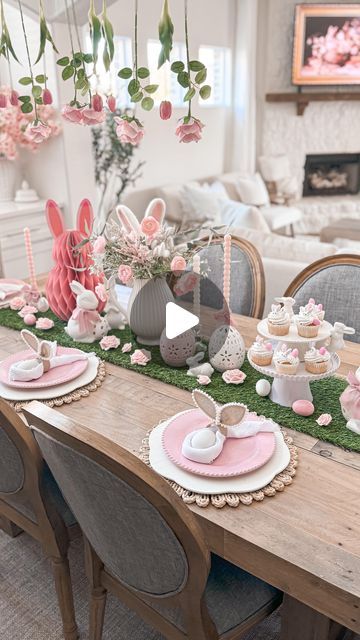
x=178 y=320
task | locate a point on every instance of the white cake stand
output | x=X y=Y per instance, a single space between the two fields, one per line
x=293 y=340
x=288 y=388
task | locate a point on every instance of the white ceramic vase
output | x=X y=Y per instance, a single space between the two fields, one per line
x=147 y=309
x=7 y=179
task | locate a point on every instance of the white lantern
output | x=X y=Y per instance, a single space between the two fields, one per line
x=226 y=348
x=176 y=351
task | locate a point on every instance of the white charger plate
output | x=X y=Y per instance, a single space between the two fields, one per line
x=26 y=395
x=247 y=483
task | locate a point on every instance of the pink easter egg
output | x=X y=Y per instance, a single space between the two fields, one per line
x=295 y=353
x=303 y=408
x=322 y=351
x=268 y=346
x=30 y=319
x=316 y=322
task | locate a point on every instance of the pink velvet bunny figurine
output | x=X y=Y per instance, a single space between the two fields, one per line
x=72 y=260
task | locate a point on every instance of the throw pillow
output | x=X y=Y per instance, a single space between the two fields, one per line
x=252 y=190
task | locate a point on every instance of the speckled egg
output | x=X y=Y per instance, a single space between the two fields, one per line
x=175 y=352
x=303 y=408
x=29 y=319
x=263 y=387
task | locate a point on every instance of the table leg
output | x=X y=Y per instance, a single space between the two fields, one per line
x=9 y=527
x=300 y=622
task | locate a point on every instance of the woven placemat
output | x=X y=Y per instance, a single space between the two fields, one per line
x=73 y=396
x=220 y=500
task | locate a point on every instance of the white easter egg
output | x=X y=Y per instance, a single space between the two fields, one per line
x=203 y=439
x=263 y=387
x=226 y=348
x=42 y=305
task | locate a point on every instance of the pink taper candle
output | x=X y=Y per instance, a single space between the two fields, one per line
x=227 y=271
x=30 y=259
x=196 y=293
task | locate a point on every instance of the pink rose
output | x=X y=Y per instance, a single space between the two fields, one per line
x=14 y=98
x=127 y=347
x=178 y=263
x=44 y=324
x=165 y=110
x=129 y=132
x=72 y=114
x=47 y=97
x=189 y=131
x=27 y=309
x=203 y=379
x=91 y=117
x=125 y=273
x=37 y=132
x=233 y=376
x=140 y=357
x=109 y=342
x=111 y=103
x=99 y=245
x=101 y=292
x=17 y=303
x=324 y=420
x=97 y=103
x=149 y=226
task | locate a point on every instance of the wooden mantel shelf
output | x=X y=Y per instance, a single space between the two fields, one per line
x=302 y=99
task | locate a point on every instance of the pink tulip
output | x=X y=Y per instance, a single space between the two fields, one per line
x=190 y=131
x=47 y=97
x=97 y=103
x=165 y=110
x=3 y=101
x=37 y=132
x=14 y=98
x=129 y=131
x=111 y=103
x=72 y=114
x=91 y=117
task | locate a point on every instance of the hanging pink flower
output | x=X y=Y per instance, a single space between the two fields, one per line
x=125 y=273
x=149 y=226
x=189 y=131
x=91 y=117
x=14 y=98
x=165 y=110
x=178 y=263
x=72 y=114
x=129 y=131
x=47 y=96
x=3 y=101
x=99 y=245
x=97 y=103
x=140 y=357
x=37 y=131
x=111 y=103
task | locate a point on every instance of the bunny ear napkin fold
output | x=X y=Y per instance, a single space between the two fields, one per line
x=228 y=421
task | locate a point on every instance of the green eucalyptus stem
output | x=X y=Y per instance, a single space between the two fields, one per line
x=28 y=55
x=187 y=48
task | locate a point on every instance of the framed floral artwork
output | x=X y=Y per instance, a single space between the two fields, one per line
x=327 y=44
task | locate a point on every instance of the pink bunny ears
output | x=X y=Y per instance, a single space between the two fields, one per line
x=55 y=218
x=128 y=220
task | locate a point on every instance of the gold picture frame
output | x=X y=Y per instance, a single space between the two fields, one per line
x=326 y=44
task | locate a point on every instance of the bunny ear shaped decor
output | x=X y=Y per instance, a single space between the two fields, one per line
x=128 y=220
x=72 y=258
x=156 y=209
x=228 y=421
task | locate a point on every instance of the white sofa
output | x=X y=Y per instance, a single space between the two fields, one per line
x=283 y=257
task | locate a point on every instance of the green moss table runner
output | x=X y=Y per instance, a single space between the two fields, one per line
x=326 y=392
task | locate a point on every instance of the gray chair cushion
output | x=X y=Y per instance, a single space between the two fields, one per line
x=337 y=287
x=232 y=596
x=126 y=531
x=11 y=466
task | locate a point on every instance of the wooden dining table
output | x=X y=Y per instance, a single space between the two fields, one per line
x=304 y=540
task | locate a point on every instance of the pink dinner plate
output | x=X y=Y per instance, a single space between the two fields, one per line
x=239 y=455
x=12 y=281
x=51 y=378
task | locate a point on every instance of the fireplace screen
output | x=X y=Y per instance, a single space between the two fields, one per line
x=332 y=174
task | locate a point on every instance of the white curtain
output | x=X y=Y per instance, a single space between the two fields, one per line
x=242 y=152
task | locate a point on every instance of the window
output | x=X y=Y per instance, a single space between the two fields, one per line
x=169 y=88
x=218 y=63
x=47 y=63
x=109 y=82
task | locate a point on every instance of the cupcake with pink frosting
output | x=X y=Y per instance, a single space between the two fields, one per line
x=278 y=321
x=261 y=352
x=317 y=309
x=286 y=360
x=317 y=360
x=307 y=322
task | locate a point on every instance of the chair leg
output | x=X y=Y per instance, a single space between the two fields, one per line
x=9 y=527
x=97 y=613
x=64 y=592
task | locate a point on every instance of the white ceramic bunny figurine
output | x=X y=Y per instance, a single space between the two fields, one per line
x=115 y=312
x=288 y=303
x=86 y=324
x=337 y=336
x=130 y=223
x=227 y=421
x=197 y=367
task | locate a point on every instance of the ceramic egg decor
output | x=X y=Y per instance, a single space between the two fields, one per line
x=226 y=349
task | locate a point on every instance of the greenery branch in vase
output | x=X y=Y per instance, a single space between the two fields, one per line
x=7 y=50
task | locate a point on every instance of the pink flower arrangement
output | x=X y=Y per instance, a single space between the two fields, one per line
x=44 y=324
x=16 y=128
x=149 y=226
x=189 y=130
x=129 y=130
x=203 y=380
x=126 y=347
x=178 y=263
x=17 y=303
x=109 y=342
x=233 y=376
x=140 y=357
x=125 y=273
x=324 y=420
